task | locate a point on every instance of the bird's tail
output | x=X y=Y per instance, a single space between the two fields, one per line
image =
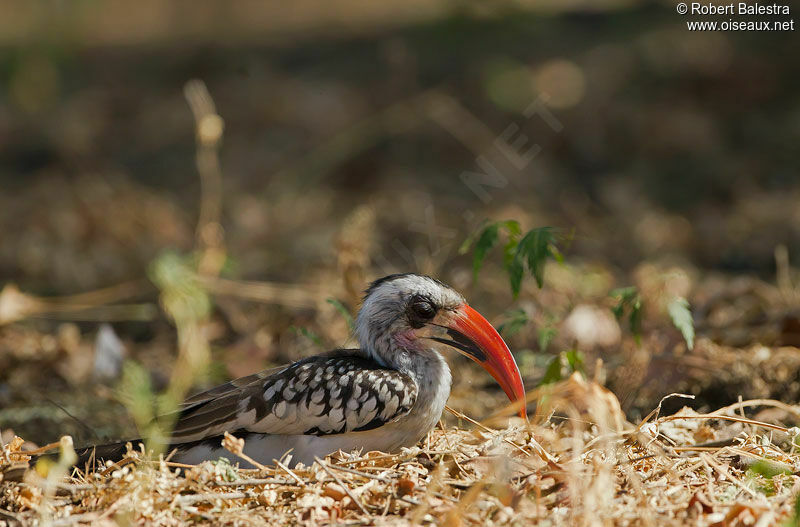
x=93 y=456
x=97 y=454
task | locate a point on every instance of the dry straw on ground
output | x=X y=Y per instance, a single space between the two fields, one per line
x=719 y=469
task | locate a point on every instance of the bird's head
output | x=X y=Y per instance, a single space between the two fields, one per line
x=406 y=316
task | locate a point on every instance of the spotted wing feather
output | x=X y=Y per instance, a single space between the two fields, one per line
x=331 y=394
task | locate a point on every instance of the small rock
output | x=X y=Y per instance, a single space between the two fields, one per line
x=592 y=327
x=109 y=352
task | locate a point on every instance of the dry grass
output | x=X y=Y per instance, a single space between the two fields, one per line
x=602 y=471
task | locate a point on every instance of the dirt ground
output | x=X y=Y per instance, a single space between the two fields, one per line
x=217 y=198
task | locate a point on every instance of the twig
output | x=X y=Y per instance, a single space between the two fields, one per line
x=73 y=519
x=543 y=454
x=359 y=473
x=16 y=305
x=657 y=410
x=697 y=448
x=725 y=418
x=13 y=517
x=105 y=295
x=758 y=402
x=209 y=127
x=42 y=450
x=485 y=428
x=72 y=488
x=450 y=446
x=188 y=499
x=383 y=480
x=118 y=465
x=252 y=461
x=254 y=482
x=339 y=481
x=290 y=472
x=724 y=473
x=300 y=296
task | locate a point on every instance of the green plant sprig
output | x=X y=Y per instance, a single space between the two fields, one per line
x=520 y=252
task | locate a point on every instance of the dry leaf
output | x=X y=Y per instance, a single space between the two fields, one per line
x=405 y=486
x=335 y=491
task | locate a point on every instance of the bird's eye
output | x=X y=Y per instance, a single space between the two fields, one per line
x=423 y=309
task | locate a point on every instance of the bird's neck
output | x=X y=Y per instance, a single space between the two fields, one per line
x=432 y=376
x=426 y=367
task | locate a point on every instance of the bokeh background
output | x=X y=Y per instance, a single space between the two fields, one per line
x=348 y=129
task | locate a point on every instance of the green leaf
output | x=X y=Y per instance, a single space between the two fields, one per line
x=534 y=248
x=546 y=336
x=512 y=228
x=618 y=310
x=629 y=301
x=515 y=271
x=537 y=257
x=342 y=309
x=553 y=372
x=510 y=248
x=575 y=360
x=224 y=469
x=486 y=241
x=565 y=362
x=795 y=519
x=625 y=295
x=555 y=254
x=527 y=251
x=531 y=250
x=769 y=468
x=464 y=249
x=681 y=317
x=635 y=319
x=516 y=320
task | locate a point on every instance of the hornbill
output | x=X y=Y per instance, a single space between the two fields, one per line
x=387 y=394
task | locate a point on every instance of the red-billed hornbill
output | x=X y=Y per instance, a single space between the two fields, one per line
x=388 y=394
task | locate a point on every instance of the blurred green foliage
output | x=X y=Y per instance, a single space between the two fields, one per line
x=344 y=312
x=562 y=366
x=681 y=317
x=520 y=252
x=515 y=320
x=182 y=297
x=629 y=302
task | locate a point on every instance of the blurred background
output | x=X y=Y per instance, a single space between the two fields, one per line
x=213 y=184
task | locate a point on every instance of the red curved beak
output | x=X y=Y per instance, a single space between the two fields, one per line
x=484 y=345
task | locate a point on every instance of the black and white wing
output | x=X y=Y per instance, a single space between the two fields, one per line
x=329 y=394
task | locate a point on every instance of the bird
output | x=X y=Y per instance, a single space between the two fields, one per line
x=386 y=394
